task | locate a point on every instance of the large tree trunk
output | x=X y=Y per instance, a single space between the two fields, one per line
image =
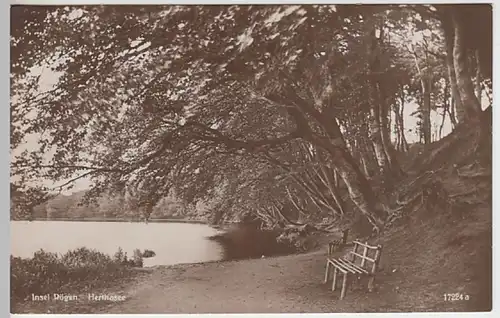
x=425 y=105
x=457 y=109
x=367 y=150
x=395 y=168
x=360 y=191
x=460 y=62
x=426 y=108
x=478 y=88
x=331 y=182
x=453 y=118
x=374 y=125
x=364 y=164
x=396 y=128
x=403 y=147
x=378 y=126
x=449 y=32
x=336 y=181
x=446 y=108
x=376 y=139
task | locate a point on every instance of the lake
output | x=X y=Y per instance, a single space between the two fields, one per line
x=173 y=243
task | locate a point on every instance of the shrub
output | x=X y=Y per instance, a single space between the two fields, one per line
x=48 y=272
x=302 y=238
x=120 y=257
x=148 y=253
x=137 y=258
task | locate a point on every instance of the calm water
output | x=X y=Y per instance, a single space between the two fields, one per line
x=173 y=243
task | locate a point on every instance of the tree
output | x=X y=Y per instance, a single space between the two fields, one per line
x=462 y=43
x=25 y=202
x=156 y=98
x=110 y=206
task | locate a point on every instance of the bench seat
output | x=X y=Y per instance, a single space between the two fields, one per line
x=345 y=266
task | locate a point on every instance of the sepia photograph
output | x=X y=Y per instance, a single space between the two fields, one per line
x=201 y=159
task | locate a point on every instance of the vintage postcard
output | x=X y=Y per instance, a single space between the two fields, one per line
x=251 y=158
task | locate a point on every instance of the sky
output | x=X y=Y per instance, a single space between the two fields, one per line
x=49 y=78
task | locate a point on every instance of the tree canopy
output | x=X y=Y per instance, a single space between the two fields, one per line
x=280 y=111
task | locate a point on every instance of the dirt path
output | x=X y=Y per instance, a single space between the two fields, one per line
x=280 y=284
x=273 y=285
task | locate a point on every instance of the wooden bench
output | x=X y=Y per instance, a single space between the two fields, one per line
x=336 y=244
x=356 y=263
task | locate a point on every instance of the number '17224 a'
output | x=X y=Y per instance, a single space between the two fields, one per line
x=455 y=297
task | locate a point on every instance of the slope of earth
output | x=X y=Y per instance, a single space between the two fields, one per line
x=438 y=243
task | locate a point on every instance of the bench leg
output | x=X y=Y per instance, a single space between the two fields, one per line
x=334 y=282
x=344 y=286
x=370 y=283
x=327 y=272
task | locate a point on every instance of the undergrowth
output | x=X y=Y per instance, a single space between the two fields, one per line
x=81 y=269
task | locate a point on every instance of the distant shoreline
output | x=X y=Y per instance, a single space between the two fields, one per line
x=131 y=221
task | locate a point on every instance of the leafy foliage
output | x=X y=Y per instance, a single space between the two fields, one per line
x=214 y=103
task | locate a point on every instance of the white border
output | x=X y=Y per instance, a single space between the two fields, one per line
x=6 y=171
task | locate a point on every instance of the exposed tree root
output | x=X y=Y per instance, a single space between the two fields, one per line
x=399 y=213
x=424 y=175
x=288 y=219
x=462 y=194
x=409 y=201
x=473 y=170
x=480 y=174
x=432 y=194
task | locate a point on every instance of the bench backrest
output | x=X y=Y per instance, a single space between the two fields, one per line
x=332 y=246
x=360 y=255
